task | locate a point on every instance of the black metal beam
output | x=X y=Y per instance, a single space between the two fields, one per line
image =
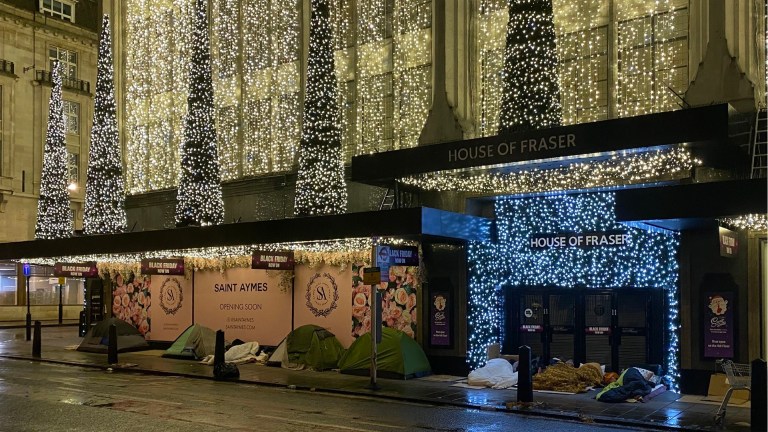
x=401 y=223
x=693 y=201
x=703 y=129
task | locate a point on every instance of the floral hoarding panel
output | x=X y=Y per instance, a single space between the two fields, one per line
x=399 y=300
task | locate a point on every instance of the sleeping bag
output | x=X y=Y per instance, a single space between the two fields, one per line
x=630 y=384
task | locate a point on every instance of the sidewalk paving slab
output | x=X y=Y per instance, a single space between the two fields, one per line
x=660 y=413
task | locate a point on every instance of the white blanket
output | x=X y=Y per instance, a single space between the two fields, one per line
x=497 y=373
x=238 y=354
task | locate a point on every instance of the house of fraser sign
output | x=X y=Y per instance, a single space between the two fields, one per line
x=511 y=148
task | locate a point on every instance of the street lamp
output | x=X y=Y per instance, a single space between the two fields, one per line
x=27 y=271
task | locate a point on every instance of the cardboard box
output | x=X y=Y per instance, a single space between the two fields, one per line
x=718 y=386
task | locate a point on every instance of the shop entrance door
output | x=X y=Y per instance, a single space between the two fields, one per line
x=614 y=327
x=640 y=324
x=544 y=321
x=561 y=313
x=598 y=314
x=530 y=330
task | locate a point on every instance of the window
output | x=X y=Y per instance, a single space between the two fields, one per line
x=74 y=169
x=71 y=117
x=67 y=60
x=44 y=288
x=7 y=284
x=64 y=9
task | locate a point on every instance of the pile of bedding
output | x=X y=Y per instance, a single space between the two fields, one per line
x=563 y=377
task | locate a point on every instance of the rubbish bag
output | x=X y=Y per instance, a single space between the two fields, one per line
x=225 y=371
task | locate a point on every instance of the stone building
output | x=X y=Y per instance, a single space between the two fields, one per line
x=34 y=34
x=410 y=72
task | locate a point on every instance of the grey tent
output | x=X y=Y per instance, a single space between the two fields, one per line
x=128 y=337
x=195 y=342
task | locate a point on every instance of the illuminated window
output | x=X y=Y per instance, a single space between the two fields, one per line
x=383 y=60
x=73 y=169
x=67 y=60
x=64 y=9
x=7 y=284
x=652 y=62
x=71 y=117
x=641 y=75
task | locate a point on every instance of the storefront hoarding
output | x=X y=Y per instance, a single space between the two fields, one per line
x=171 y=310
x=247 y=304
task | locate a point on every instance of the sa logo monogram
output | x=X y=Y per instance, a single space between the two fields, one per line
x=322 y=294
x=171 y=296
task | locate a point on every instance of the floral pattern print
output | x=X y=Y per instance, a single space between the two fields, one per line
x=399 y=305
x=131 y=301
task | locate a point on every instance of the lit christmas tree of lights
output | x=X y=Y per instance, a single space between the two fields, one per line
x=531 y=96
x=320 y=187
x=199 y=200
x=104 y=188
x=54 y=216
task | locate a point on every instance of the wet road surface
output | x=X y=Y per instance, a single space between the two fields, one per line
x=48 y=397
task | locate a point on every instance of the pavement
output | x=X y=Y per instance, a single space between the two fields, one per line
x=668 y=411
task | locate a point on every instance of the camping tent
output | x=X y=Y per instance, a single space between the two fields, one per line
x=128 y=337
x=398 y=356
x=308 y=346
x=195 y=343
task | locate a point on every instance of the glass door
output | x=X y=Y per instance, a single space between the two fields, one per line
x=632 y=328
x=598 y=328
x=561 y=313
x=531 y=328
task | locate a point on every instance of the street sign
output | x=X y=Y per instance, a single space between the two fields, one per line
x=387 y=256
x=371 y=275
x=27 y=269
x=62 y=280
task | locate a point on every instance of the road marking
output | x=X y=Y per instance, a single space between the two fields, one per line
x=378 y=424
x=72 y=389
x=160 y=401
x=312 y=423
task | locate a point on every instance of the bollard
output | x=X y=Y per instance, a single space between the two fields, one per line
x=218 y=353
x=112 y=347
x=37 y=342
x=524 y=378
x=82 y=328
x=758 y=395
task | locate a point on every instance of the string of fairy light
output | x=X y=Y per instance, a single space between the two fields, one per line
x=199 y=197
x=158 y=49
x=320 y=186
x=104 y=190
x=347 y=245
x=620 y=169
x=651 y=40
x=531 y=91
x=257 y=82
x=648 y=260
x=753 y=222
x=54 y=216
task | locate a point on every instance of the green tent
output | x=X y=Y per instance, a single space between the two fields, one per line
x=308 y=346
x=128 y=338
x=195 y=342
x=398 y=356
